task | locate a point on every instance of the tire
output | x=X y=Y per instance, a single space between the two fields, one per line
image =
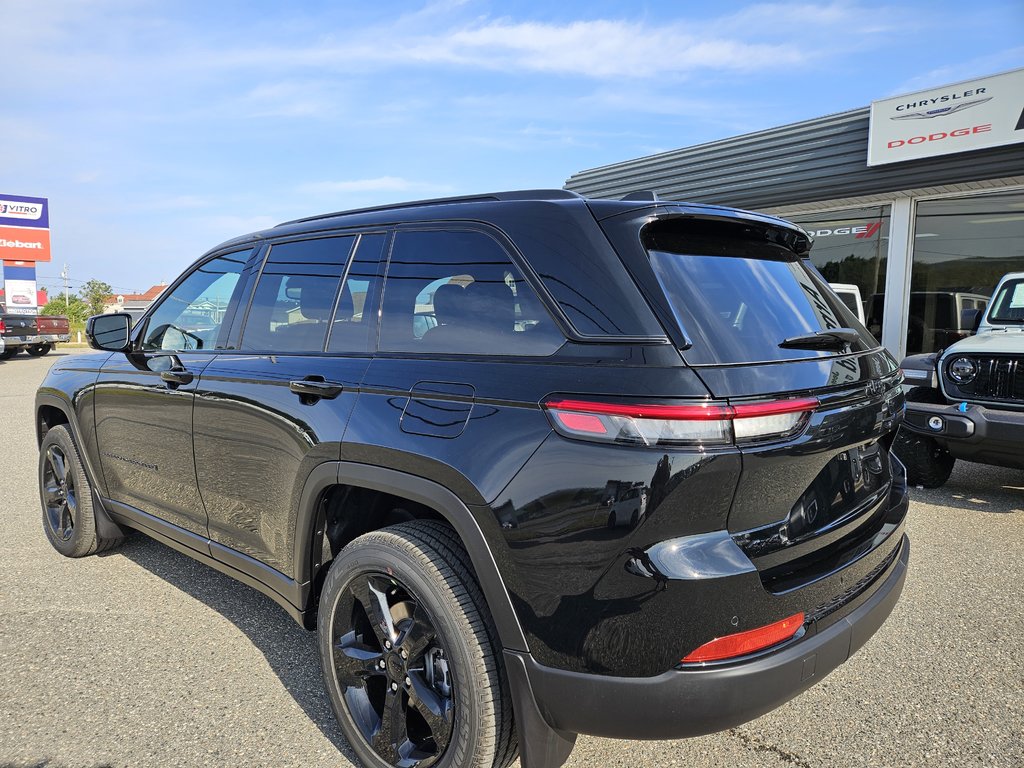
x=8 y=353
x=38 y=350
x=66 y=497
x=928 y=463
x=409 y=588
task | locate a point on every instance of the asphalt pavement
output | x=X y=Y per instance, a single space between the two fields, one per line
x=142 y=657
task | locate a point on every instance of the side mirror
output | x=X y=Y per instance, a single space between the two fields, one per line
x=110 y=333
x=971 y=318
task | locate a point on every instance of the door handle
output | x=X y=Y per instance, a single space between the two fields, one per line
x=315 y=388
x=176 y=376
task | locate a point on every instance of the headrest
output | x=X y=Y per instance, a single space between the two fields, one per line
x=449 y=302
x=316 y=295
x=491 y=303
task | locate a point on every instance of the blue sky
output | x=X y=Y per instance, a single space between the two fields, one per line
x=158 y=129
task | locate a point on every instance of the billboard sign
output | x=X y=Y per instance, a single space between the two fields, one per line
x=21 y=297
x=975 y=114
x=24 y=228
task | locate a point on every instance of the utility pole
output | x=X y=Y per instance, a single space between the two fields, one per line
x=67 y=301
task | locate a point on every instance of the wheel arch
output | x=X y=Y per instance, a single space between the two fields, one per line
x=52 y=411
x=311 y=522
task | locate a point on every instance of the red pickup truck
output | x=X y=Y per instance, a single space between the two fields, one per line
x=35 y=334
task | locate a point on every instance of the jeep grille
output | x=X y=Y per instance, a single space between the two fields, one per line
x=998 y=378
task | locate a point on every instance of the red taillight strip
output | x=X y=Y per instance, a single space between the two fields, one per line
x=775 y=408
x=687 y=412
x=743 y=643
x=681 y=412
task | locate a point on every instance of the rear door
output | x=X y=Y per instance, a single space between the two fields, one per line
x=455 y=400
x=277 y=405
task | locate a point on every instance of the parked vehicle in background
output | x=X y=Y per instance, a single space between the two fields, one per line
x=37 y=335
x=433 y=498
x=850 y=294
x=967 y=402
x=629 y=509
x=936 y=318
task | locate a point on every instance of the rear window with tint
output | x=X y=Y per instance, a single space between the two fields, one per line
x=737 y=300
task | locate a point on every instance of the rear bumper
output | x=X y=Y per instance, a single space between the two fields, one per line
x=694 y=702
x=43 y=338
x=988 y=435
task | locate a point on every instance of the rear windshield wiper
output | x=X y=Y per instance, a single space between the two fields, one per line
x=832 y=339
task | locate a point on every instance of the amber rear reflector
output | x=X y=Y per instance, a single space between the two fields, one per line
x=742 y=643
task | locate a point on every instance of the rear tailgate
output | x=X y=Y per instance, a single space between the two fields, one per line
x=730 y=292
x=19 y=326
x=53 y=325
x=839 y=463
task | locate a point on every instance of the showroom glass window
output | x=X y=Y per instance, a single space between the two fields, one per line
x=190 y=316
x=850 y=249
x=295 y=297
x=962 y=246
x=458 y=292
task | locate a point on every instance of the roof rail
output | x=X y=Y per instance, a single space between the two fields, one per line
x=525 y=194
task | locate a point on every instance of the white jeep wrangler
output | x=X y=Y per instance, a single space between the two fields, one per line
x=967 y=401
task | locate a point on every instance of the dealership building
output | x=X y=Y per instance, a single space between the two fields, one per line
x=918 y=200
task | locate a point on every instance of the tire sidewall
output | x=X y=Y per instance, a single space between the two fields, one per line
x=378 y=557
x=928 y=463
x=83 y=536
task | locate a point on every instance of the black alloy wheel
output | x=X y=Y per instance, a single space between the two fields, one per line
x=69 y=519
x=60 y=496
x=411 y=659
x=393 y=671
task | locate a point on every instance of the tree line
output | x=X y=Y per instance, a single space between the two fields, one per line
x=91 y=299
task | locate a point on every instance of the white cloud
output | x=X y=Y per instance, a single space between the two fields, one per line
x=291 y=99
x=981 y=66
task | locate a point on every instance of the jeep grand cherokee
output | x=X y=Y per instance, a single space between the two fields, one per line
x=441 y=501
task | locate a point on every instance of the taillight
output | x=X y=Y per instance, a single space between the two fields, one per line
x=743 y=643
x=3 y=328
x=704 y=423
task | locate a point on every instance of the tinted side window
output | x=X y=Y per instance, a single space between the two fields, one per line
x=190 y=316
x=458 y=292
x=355 y=320
x=294 y=298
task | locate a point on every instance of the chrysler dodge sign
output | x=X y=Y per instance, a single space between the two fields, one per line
x=977 y=114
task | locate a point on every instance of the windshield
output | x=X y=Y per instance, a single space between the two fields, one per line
x=740 y=308
x=1008 y=305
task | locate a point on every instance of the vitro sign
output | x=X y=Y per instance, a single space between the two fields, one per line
x=24 y=228
x=976 y=114
x=15 y=209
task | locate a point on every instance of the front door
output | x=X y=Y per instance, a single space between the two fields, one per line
x=144 y=398
x=269 y=412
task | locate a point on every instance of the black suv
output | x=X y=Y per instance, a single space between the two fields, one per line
x=532 y=465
